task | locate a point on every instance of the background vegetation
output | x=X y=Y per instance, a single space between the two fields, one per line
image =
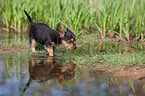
x=106 y=18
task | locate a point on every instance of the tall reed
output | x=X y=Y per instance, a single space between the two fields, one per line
x=107 y=18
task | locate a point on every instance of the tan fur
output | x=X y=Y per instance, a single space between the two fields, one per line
x=69 y=46
x=33 y=45
x=50 y=49
x=72 y=39
x=61 y=33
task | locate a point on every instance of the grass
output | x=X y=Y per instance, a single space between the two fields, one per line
x=123 y=18
x=15 y=42
x=109 y=60
x=105 y=54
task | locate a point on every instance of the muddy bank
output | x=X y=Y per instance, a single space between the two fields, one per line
x=5 y=50
x=9 y=50
x=135 y=73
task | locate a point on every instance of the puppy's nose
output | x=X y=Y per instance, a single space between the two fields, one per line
x=75 y=47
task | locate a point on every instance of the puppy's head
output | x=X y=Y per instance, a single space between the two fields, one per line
x=68 y=38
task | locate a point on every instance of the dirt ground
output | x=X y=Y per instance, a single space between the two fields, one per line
x=135 y=73
x=9 y=50
x=6 y=50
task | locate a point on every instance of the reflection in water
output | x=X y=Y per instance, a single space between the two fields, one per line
x=49 y=69
x=86 y=82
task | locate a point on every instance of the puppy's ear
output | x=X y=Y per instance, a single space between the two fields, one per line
x=61 y=33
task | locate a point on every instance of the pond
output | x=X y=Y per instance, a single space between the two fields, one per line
x=41 y=75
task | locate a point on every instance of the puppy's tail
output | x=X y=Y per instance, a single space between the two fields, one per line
x=29 y=18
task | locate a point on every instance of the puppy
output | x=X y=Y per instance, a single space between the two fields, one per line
x=49 y=37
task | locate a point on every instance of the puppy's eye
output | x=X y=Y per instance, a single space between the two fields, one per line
x=70 y=41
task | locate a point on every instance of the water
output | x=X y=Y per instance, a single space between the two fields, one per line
x=41 y=75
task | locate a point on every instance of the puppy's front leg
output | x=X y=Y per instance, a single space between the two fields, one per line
x=50 y=48
x=32 y=41
x=32 y=44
